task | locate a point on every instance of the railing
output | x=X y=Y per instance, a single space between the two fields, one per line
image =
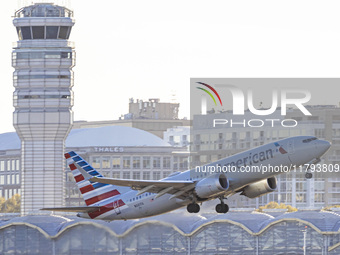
x=43 y=43
x=43 y=10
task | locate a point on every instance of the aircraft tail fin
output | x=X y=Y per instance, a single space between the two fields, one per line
x=93 y=193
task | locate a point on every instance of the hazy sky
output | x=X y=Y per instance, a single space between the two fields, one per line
x=147 y=49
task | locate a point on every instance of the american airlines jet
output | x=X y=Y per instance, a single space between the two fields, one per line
x=122 y=199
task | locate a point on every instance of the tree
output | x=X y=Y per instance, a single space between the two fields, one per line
x=275 y=205
x=328 y=208
x=11 y=205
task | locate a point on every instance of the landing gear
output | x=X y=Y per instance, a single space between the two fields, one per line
x=222 y=208
x=193 y=208
x=309 y=175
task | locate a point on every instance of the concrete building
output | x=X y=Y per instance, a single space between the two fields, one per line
x=208 y=144
x=152 y=109
x=43 y=59
x=178 y=136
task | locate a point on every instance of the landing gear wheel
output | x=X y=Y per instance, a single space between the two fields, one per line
x=309 y=175
x=193 y=208
x=218 y=208
x=222 y=208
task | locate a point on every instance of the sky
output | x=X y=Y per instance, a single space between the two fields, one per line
x=151 y=49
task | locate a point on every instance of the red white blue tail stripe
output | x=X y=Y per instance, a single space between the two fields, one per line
x=94 y=193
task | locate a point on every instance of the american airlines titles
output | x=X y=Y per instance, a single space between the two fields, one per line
x=242 y=162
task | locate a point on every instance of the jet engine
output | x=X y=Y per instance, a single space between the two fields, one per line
x=260 y=188
x=212 y=185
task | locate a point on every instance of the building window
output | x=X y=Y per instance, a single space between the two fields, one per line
x=2 y=179
x=126 y=162
x=136 y=175
x=106 y=162
x=64 y=32
x=52 y=32
x=126 y=175
x=26 y=33
x=183 y=163
x=17 y=162
x=116 y=175
x=8 y=165
x=2 y=165
x=38 y=32
x=146 y=162
x=157 y=175
x=166 y=173
x=96 y=162
x=8 y=179
x=166 y=162
x=106 y=174
x=136 y=162
x=146 y=175
x=175 y=167
x=116 y=162
x=156 y=162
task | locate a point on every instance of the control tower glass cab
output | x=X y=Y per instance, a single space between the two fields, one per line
x=43 y=59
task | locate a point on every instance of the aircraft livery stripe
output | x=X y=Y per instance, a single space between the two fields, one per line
x=106 y=208
x=100 y=197
x=96 y=192
x=72 y=167
x=79 y=178
x=86 y=189
x=67 y=155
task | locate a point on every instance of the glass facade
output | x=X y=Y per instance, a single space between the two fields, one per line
x=43 y=32
x=254 y=234
x=9 y=177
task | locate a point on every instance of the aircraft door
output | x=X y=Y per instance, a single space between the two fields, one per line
x=290 y=146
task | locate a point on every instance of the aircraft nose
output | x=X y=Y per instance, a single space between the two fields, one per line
x=322 y=146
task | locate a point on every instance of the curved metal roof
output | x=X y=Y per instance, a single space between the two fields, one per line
x=186 y=224
x=101 y=136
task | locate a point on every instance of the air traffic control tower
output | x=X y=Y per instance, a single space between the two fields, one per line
x=43 y=59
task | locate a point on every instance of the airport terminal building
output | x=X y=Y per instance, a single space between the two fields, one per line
x=116 y=151
x=234 y=233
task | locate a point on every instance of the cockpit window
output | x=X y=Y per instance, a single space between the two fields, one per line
x=309 y=140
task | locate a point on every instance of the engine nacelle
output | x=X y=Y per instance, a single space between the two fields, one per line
x=212 y=185
x=260 y=188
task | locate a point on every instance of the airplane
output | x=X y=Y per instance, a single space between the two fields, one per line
x=122 y=199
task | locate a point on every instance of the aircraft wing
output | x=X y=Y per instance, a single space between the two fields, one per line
x=176 y=188
x=137 y=184
x=86 y=209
